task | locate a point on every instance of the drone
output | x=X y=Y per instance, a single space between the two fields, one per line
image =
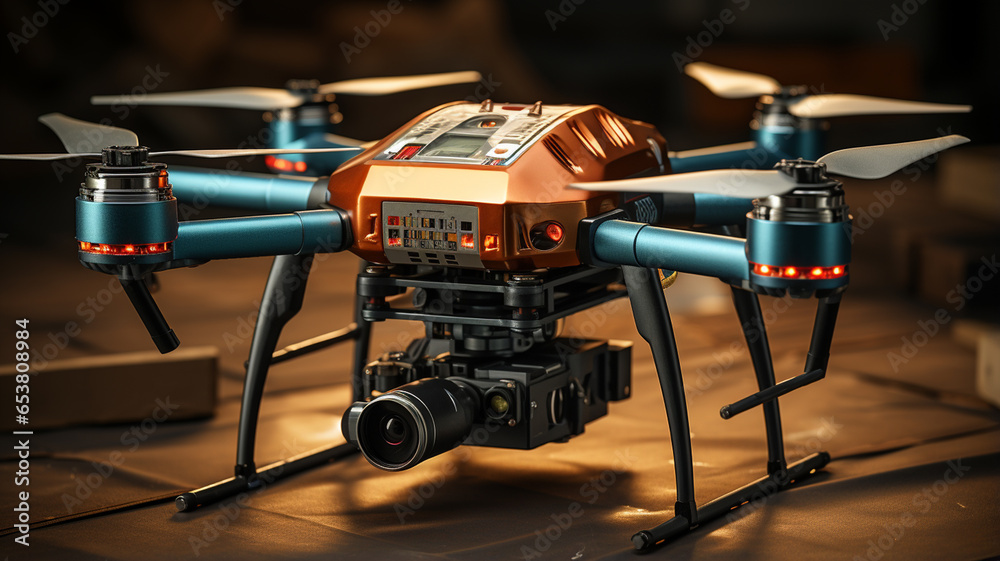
x=499 y=220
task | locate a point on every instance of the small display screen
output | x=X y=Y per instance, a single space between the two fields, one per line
x=454 y=146
x=469 y=133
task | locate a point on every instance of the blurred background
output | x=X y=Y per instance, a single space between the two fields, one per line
x=915 y=246
x=625 y=55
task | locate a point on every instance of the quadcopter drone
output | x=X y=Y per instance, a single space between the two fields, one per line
x=499 y=220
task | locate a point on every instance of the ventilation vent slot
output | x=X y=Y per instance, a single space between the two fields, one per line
x=615 y=130
x=559 y=152
x=587 y=138
x=523 y=239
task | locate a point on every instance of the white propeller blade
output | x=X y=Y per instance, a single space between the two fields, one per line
x=740 y=183
x=396 y=84
x=874 y=162
x=81 y=136
x=867 y=162
x=60 y=156
x=273 y=98
x=729 y=83
x=732 y=84
x=220 y=153
x=838 y=105
x=345 y=140
x=239 y=98
x=224 y=153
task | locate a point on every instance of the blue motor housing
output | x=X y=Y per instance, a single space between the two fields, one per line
x=800 y=241
x=126 y=213
x=800 y=257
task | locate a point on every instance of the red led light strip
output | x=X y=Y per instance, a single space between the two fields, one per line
x=126 y=249
x=807 y=273
x=282 y=164
x=408 y=152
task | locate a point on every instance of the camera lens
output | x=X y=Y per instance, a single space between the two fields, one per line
x=389 y=431
x=414 y=422
x=394 y=430
x=498 y=403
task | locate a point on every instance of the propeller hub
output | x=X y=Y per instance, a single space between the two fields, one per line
x=306 y=88
x=772 y=111
x=125 y=176
x=788 y=92
x=815 y=198
x=803 y=171
x=124 y=156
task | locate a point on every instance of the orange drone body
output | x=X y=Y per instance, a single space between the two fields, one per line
x=484 y=186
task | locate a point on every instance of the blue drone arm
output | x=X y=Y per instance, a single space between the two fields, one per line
x=256 y=191
x=311 y=231
x=799 y=257
x=619 y=242
x=771 y=144
x=742 y=155
x=687 y=209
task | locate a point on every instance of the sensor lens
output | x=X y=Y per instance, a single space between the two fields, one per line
x=499 y=404
x=403 y=427
x=394 y=430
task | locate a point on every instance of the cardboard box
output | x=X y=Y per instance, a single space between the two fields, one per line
x=969 y=180
x=957 y=274
x=988 y=368
x=121 y=388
